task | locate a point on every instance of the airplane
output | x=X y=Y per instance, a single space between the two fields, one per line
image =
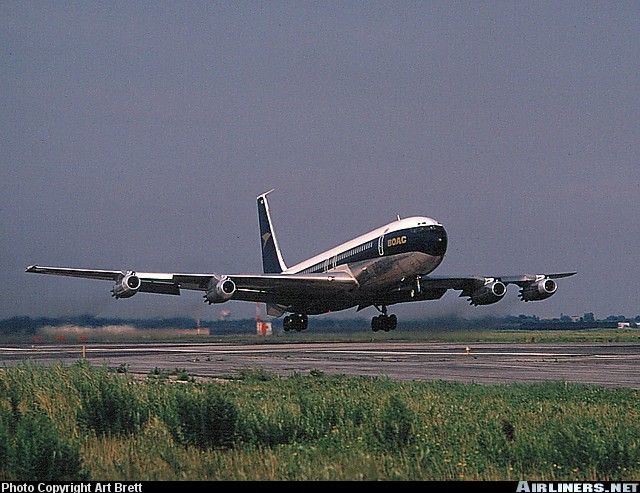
x=389 y=265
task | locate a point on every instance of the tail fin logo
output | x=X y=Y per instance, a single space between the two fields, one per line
x=265 y=239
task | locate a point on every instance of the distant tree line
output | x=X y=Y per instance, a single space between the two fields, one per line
x=28 y=325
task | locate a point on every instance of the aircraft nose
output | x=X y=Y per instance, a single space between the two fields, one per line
x=438 y=241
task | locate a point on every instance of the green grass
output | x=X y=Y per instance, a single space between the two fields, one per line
x=80 y=422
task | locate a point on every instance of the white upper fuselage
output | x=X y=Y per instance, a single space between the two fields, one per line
x=399 y=225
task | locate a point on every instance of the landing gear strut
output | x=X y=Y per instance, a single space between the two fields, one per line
x=384 y=322
x=295 y=321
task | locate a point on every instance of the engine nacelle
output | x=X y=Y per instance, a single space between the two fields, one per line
x=492 y=292
x=539 y=290
x=127 y=286
x=220 y=290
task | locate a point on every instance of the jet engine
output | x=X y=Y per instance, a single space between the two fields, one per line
x=491 y=292
x=220 y=290
x=539 y=290
x=127 y=286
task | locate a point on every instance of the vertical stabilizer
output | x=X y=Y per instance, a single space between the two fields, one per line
x=272 y=262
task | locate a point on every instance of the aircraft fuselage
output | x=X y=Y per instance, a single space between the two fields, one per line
x=382 y=258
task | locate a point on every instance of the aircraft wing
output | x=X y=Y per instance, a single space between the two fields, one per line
x=259 y=287
x=487 y=290
x=468 y=284
x=105 y=275
x=150 y=282
x=287 y=288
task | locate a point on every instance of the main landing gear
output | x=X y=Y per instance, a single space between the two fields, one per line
x=295 y=321
x=384 y=322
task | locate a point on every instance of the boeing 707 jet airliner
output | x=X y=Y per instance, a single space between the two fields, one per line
x=386 y=266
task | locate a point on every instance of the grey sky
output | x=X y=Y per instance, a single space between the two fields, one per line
x=137 y=136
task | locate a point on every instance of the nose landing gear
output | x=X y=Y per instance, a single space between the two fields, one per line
x=384 y=322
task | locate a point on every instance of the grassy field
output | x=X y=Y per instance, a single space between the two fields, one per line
x=80 y=422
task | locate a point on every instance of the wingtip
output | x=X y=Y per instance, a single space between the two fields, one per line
x=563 y=274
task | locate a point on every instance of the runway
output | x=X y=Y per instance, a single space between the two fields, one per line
x=603 y=364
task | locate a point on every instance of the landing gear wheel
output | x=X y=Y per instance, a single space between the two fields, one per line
x=301 y=321
x=384 y=322
x=295 y=321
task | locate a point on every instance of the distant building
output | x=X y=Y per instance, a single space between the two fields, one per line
x=628 y=325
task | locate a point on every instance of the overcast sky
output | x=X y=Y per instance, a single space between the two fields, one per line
x=137 y=135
